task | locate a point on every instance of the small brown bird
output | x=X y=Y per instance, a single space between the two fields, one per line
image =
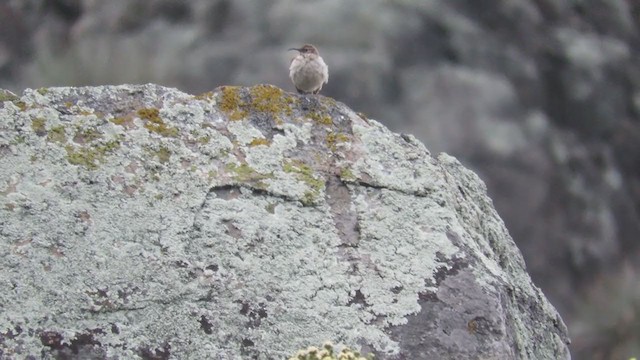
x=307 y=71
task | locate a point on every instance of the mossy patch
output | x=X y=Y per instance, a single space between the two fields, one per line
x=56 y=134
x=319 y=118
x=347 y=175
x=334 y=139
x=245 y=173
x=6 y=95
x=263 y=99
x=163 y=154
x=38 y=126
x=305 y=174
x=154 y=123
x=119 y=120
x=43 y=91
x=271 y=208
x=90 y=156
x=271 y=99
x=232 y=104
x=259 y=141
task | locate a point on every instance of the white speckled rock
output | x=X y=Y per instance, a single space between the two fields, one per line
x=143 y=222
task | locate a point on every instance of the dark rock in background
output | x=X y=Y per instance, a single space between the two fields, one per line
x=540 y=97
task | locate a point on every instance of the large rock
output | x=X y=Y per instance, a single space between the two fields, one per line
x=143 y=222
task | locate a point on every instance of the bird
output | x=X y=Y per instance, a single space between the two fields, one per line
x=307 y=71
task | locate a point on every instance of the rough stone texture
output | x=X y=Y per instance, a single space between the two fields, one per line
x=143 y=222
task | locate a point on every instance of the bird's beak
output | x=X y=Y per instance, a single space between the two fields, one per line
x=293 y=49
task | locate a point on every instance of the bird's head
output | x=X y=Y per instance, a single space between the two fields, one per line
x=306 y=49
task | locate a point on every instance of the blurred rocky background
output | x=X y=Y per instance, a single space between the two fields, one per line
x=540 y=97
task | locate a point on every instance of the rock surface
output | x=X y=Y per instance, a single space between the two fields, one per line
x=143 y=222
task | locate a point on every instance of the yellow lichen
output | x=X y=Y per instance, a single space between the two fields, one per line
x=259 y=141
x=231 y=103
x=90 y=156
x=327 y=353
x=334 y=139
x=154 y=123
x=347 y=175
x=322 y=119
x=21 y=105
x=265 y=99
x=305 y=174
x=119 y=120
x=270 y=99
x=245 y=173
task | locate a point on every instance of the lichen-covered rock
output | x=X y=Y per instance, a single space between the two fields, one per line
x=143 y=222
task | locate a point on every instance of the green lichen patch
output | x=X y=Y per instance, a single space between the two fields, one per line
x=163 y=154
x=305 y=174
x=43 y=91
x=271 y=208
x=259 y=141
x=347 y=175
x=21 y=105
x=154 y=123
x=6 y=95
x=56 y=134
x=20 y=139
x=38 y=126
x=334 y=139
x=245 y=173
x=90 y=156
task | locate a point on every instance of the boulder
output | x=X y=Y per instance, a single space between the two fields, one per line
x=144 y=222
